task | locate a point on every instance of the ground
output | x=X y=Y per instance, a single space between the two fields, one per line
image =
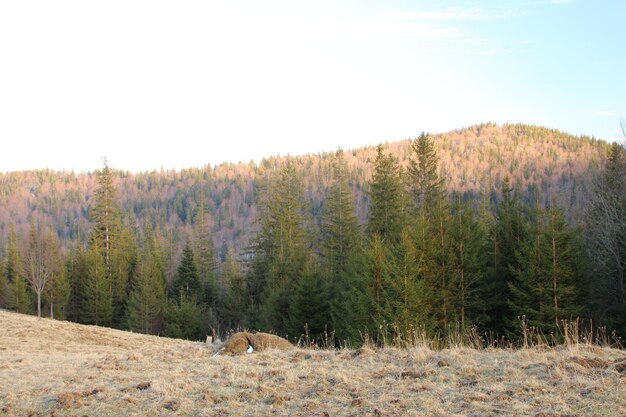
x=59 y=368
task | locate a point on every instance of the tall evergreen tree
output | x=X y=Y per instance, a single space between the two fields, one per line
x=431 y=227
x=406 y=295
x=98 y=306
x=204 y=252
x=4 y=285
x=107 y=279
x=234 y=306
x=341 y=243
x=387 y=216
x=509 y=233
x=187 y=280
x=280 y=252
x=606 y=240
x=468 y=275
x=19 y=295
x=147 y=301
x=549 y=273
x=77 y=272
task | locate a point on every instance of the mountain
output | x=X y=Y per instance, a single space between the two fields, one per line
x=544 y=164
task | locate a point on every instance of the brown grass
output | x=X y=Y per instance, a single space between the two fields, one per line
x=63 y=369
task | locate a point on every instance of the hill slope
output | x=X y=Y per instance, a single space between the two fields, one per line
x=58 y=368
x=544 y=163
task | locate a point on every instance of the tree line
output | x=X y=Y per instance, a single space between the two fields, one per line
x=427 y=260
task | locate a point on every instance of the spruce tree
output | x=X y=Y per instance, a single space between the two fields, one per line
x=280 y=251
x=309 y=309
x=431 y=228
x=98 y=307
x=204 y=252
x=549 y=273
x=147 y=300
x=187 y=280
x=77 y=272
x=406 y=295
x=387 y=216
x=606 y=241
x=107 y=279
x=468 y=266
x=234 y=306
x=510 y=231
x=341 y=243
x=19 y=295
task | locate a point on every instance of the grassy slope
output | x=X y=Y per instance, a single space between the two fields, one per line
x=58 y=368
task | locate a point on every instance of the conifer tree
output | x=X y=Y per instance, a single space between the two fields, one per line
x=280 y=253
x=107 y=279
x=98 y=306
x=510 y=231
x=549 y=273
x=606 y=240
x=183 y=318
x=431 y=227
x=388 y=210
x=406 y=296
x=233 y=314
x=19 y=295
x=4 y=286
x=147 y=301
x=468 y=275
x=204 y=252
x=341 y=243
x=187 y=280
x=309 y=309
x=77 y=272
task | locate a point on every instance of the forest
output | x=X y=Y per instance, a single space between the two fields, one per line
x=489 y=229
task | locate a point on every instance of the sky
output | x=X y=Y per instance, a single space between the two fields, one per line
x=173 y=84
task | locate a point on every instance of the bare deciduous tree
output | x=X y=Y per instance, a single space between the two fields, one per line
x=40 y=261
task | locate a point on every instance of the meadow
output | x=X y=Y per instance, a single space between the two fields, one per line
x=57 y=368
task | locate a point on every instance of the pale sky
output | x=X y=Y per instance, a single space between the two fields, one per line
x=175 y=84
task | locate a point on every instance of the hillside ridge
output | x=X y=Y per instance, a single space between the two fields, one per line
x=545 y=164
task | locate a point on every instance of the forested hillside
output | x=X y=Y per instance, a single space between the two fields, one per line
x=542 y=163
x=486 y=230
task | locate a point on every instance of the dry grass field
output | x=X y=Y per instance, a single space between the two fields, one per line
x=54 y=368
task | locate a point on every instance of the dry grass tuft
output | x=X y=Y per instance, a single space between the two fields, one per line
x=64 y=369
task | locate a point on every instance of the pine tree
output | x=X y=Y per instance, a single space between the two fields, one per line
x=388 y=210
x=406 y=297
x=341 y=240
x=204 y=252
x=511 y=230
x=77 y=272
x=19 y=295
x=309 y=309
x=280 y=253
x=468 y=275
x=431 y=228
x=98 y=306
x=147 y=300
x=187 y=280
x=107 y=279
x=4 y=285
x=606 y=240
x=183 y=318
x=233 y=314
x=549 y=273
